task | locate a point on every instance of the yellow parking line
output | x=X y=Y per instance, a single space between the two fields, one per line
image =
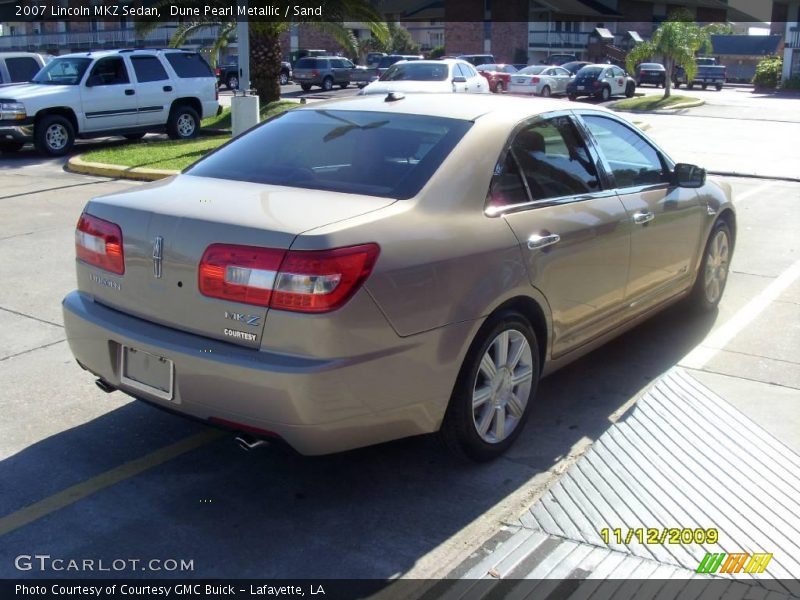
x=79 y=491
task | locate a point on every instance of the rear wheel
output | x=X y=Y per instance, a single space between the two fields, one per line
x=327 y=84
x=499 y=87
x=343 y=85
x=183 y=122
x=53 y=135
x=705 y=86
x=305 y=87
x=630 y=90
x=690 y=86
x=284 y=79
x=677 y=85
x=497 y=382
x=546 y=91
x=719 y=87
x=232 y=83
x=11 y=146
x=572 y=97
x=605 y=93
x=713 y=273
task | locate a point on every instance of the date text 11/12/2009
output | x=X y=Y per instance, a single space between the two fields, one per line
x=278 y=12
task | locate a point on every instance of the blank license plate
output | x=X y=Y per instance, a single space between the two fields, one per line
x=581 y=88
x=147 y=372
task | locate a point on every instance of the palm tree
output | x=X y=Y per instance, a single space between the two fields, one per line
x=677 y=41
x=223 y=30
x=265 y=47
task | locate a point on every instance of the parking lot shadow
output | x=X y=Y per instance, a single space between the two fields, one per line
x=371 y=513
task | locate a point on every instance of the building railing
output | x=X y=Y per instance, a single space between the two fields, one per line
x=793 y=37
x=105 y=38
x=557 y=39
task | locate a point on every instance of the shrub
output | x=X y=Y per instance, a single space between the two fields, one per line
x=792 y=84
x=437 y=52
x=768 y=72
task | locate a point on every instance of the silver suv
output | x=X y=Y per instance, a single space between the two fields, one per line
x=327 y=71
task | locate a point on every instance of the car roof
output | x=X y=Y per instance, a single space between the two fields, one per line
x=469 y=107
x=19 y=54
x=129 y=51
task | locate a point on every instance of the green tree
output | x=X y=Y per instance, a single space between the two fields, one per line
x=265 y=46
x=676 y=41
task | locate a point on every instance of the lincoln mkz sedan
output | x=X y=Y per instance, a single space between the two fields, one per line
x=372 y=268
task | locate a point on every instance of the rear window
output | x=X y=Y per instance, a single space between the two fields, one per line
x=415 y=71
x=22 y=68
x=373 y=153
x=590 y=71
x=189 y=64
x=652 y=66
x=306 y=63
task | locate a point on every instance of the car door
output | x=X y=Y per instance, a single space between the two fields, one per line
x=154 y=89
x=561 y=77
x=109 y=97
x=620 y=80
x=574 y=234
x=341 y=73
x=666 y=220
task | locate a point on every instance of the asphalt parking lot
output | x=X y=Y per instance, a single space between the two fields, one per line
x=89 y=475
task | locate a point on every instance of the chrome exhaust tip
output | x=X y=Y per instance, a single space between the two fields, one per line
x=248 y=443
x=105 y=386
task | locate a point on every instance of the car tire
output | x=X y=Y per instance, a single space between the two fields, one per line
x=11 y=146
x=572 y=97
x=343 y=86
x=473 y=431
x=183 y=122
x=630 y=90
x=133 y=136
x=305 y=87
x=232 y=83
x=705 y=86
x=499 y=87
x=719 y=87
x=546 y=91
x=53 y=135
x=689 y=86
x=284 y=78
x=605 y=93
x=677 y=85
x=327 y=84
x=714 y=267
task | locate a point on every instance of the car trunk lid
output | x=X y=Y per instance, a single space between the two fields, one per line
x=189 y=214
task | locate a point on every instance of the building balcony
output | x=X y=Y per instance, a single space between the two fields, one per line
x=793 y=36
x=95 y=40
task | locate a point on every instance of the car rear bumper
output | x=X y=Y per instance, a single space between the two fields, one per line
x=317 y=406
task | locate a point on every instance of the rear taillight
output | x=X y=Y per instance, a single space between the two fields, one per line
x=315 y=73
x=99 y=243
x=299 y=280
x=217 y=71
x=535 y=80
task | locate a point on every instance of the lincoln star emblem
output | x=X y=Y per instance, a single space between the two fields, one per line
x=158 y=249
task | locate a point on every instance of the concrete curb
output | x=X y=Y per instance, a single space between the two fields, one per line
x=754 y=176
x=662 y=111
x=76 y=165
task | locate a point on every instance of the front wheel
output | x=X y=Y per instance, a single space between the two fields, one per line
x=493 y=392
x=183 y=123
x=53 y=135
x=630 y=90
x=284 y=78
x=713 y=273
x=11 y=146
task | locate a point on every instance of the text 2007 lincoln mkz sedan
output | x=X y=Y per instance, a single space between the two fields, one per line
x=371 y=268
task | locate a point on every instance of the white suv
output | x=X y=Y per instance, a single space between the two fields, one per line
x=113 y=92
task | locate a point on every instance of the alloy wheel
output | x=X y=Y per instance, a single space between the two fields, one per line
x=56 y=136
x=716 y=271
x=502 y=386
x=186 y=125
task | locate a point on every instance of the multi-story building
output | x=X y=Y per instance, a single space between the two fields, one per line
x=786 y=22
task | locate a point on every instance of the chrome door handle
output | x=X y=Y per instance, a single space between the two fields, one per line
x=641 y=218
x=542 y=241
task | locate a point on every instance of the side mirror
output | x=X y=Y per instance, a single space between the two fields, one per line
x=459 y=79
x=94 y=80
x=689 y=176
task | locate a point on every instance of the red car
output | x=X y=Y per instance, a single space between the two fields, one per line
x=498 y=76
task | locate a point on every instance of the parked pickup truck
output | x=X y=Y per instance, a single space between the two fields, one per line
x=111 y=92
x=327 y=71
x=18 y=67
x=708 y=73
x=228 y=75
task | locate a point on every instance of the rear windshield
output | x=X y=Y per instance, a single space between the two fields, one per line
x=306 y=63
x=373 y=153
x=534 y=70
x=652 y=66
x=189 y=64
x=589 y=71
x=388 y=61
x=415 y=71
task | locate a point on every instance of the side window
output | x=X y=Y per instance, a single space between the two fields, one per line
x=618 y=72
x=189 y=64
x=110 y=71
x=632 y=159
x=148 y=68
x=459 y=70
x=554 y=159
x=507 y=186
x=470 y=70
x=22 y=68
x=348 y=65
